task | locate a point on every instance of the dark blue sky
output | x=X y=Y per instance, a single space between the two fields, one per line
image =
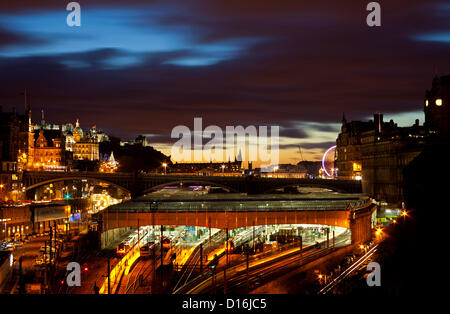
x=146 y=66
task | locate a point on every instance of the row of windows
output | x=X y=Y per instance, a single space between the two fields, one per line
x=47 y=153
x=438 y=102
x=50 y=160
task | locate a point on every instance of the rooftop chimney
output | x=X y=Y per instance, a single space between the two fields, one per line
x=378 y=120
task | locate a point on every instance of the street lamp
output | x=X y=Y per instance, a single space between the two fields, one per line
x=379 y=231
x=275 y=170
x=320 y=277
x=223 y=169
x=165 y=167
x=404 y=214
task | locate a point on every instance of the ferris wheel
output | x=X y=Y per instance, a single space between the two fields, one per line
x=328 y=158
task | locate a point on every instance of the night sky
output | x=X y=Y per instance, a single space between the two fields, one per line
x=143 y=67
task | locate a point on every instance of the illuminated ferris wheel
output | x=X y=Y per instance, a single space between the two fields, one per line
x=328 y=168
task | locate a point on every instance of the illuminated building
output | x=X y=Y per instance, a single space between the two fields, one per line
x=14 y=221
x=48 y=151
x=83 y=146
x=348 y=150
x=98 y=135
x=286 y=171
x=377 y=152
x=207 y=169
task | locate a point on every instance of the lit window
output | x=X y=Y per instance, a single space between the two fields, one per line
x=439 y=102
x=356 y=166
x=426 y=103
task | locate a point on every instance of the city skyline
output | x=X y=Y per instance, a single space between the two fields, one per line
x=213 y=154
x=164 y=63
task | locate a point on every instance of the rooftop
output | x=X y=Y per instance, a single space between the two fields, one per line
x=311 y=199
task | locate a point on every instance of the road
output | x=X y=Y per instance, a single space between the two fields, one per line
x=28 y=252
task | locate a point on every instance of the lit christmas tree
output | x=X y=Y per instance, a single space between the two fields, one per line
x=109 y=166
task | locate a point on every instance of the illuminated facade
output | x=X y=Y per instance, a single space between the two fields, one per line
x=207 y=169
x=84 y=147
x=285 y=171
x=48 y=153
x=348 y=149
x=15 y=221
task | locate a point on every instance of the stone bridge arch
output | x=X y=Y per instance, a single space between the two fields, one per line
x=73 y=178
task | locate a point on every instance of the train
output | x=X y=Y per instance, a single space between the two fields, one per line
x=148 y=250
x=127 y=244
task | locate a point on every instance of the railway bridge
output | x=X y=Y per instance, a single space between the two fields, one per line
x=354 y=212
x=140 y=184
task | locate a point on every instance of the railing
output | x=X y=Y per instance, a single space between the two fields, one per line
x=197 y=206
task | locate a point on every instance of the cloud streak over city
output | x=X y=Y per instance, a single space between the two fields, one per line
x=144 y=67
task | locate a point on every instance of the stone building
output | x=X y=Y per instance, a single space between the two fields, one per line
x=84 y=147
x=376 y=152
x=48 y=150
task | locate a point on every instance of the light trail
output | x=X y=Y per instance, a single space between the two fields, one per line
x=348 y=271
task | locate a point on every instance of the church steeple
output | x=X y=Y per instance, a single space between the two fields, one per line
x=239 y=157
